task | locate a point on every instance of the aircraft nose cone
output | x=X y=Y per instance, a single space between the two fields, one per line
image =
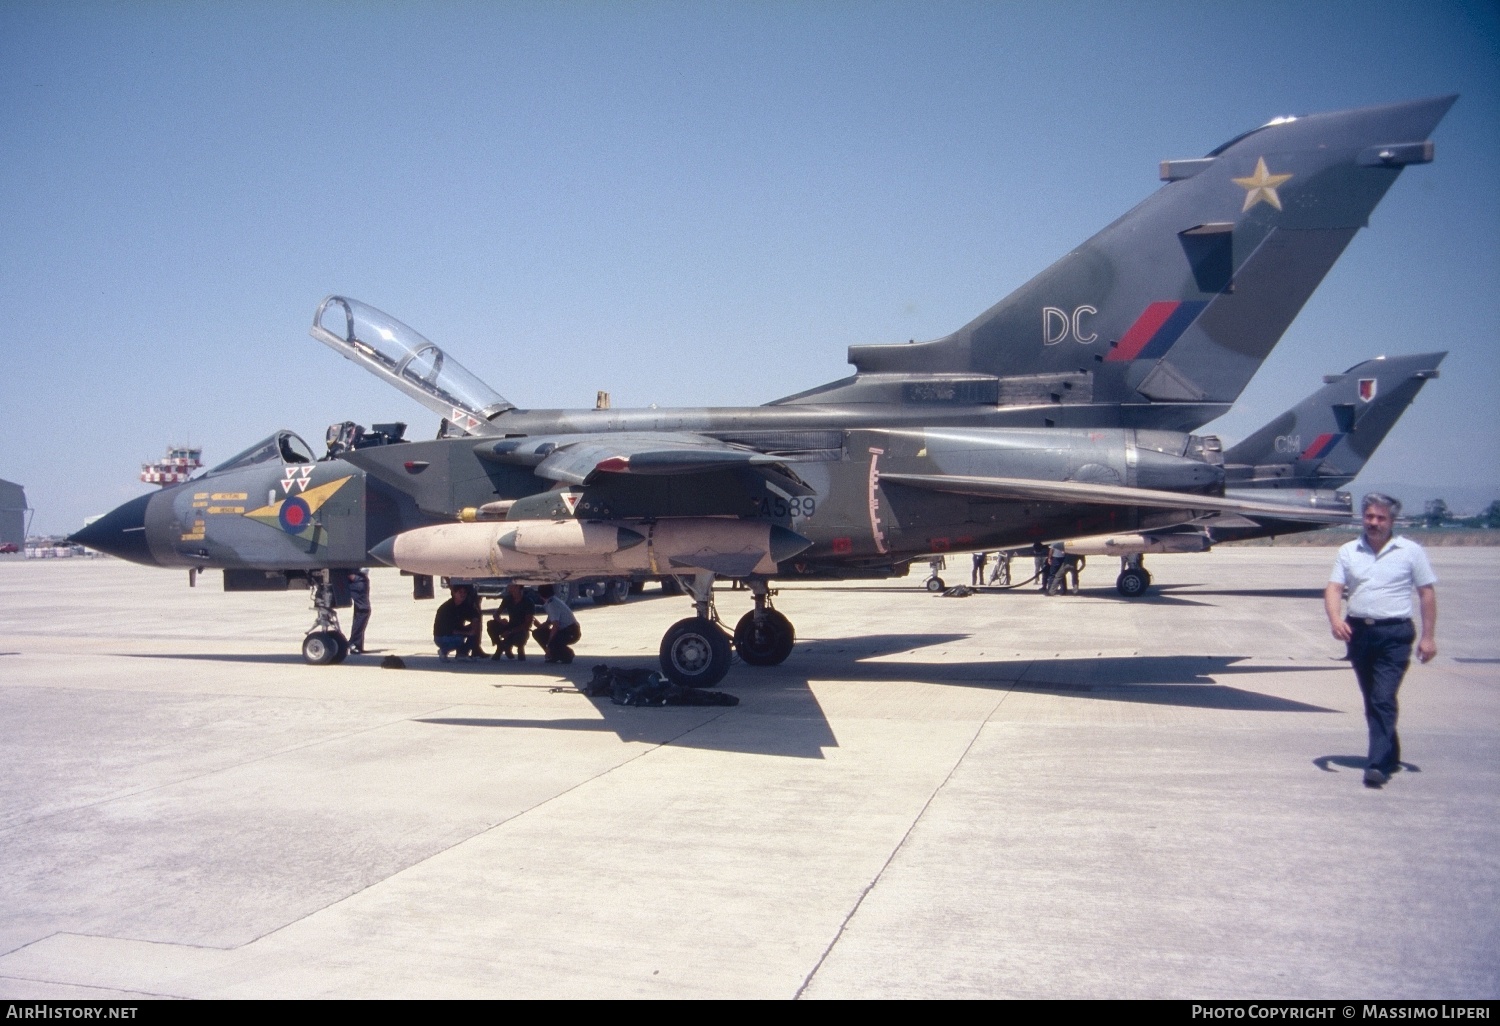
x=121 y=532
x=385 y=551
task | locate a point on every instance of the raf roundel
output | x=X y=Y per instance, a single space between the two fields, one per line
x=295 y=514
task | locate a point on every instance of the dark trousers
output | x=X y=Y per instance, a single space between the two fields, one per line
x=359 y=597
x=558 y=640
x=1380 y=656
x=511 y=633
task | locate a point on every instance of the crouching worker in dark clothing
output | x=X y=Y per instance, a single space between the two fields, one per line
x=455 y=628
x=511 y=624
x=561 y=629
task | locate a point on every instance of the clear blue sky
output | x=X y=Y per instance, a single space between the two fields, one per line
x=682 y=203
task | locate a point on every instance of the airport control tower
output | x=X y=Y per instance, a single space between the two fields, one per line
x=180 y=463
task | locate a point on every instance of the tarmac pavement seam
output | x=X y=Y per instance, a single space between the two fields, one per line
x=896 y=850
x=478 y=833
x=97 y=993
x=207 y=774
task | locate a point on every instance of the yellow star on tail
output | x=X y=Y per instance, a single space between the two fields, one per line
x=1261 y=186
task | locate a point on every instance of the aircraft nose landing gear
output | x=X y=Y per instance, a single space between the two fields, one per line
x=324 y=643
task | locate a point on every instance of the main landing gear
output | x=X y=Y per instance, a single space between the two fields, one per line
x=763 y=637
x=695 y=652
x=324 y=643
x=1134 y=579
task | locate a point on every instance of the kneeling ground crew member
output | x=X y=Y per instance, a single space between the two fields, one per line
x=561 y=628
x=511 y=624
x=455 y=628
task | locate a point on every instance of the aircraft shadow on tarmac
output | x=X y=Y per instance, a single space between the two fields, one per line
x=779 y=714
x=266 y=658
x=1182 y=594
x=1154 y=597
x=1286 y=593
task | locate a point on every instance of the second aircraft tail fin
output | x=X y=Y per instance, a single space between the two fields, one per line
x=1326 y=439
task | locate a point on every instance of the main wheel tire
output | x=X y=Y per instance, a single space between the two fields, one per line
x=695 y=653
x=612 y=592
x=319 y=648
x=935 y=584
x=1132 y=583
x=343 y=644
x=767 y=644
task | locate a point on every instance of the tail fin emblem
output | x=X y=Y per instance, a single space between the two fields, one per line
x=1367 y=389
x=1261 y=186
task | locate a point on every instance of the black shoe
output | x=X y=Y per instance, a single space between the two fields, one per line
x=495 y=658
x=1375 y=777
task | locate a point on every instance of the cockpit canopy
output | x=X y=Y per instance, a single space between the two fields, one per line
x=283 y=446
x=399 y=354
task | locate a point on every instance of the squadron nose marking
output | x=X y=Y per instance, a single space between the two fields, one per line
x=294 y=514
x=1261 y=186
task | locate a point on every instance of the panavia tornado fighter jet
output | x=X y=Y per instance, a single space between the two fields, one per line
x=1061 y=412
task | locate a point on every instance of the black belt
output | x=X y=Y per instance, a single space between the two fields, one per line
x=1365 y=621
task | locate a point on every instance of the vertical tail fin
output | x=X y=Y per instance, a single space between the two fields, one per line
x=1326 y=439
x=1179 y=302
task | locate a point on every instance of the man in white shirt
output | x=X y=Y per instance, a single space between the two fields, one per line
x=1379 y=573
x=562 y=630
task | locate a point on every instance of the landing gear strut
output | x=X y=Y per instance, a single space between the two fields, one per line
x=1134 y=579
x=324 y=643
x=695 y=652
x=763 y=637
x=935 y=583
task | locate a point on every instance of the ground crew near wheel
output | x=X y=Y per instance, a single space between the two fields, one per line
x=511 y=624
x=455 y=628
x=561 y=629
x=359 y=598
x=976 y=576
x=1379 y=572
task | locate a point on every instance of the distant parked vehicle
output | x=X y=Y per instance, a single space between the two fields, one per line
x=9 y=547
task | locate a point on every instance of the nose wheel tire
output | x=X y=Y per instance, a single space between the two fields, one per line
x=323 y=648
x=767 y=644
x=935 y=584
x=695 y=653
x=1132 y=583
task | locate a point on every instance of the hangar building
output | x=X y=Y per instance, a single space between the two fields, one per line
x=13 y=510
